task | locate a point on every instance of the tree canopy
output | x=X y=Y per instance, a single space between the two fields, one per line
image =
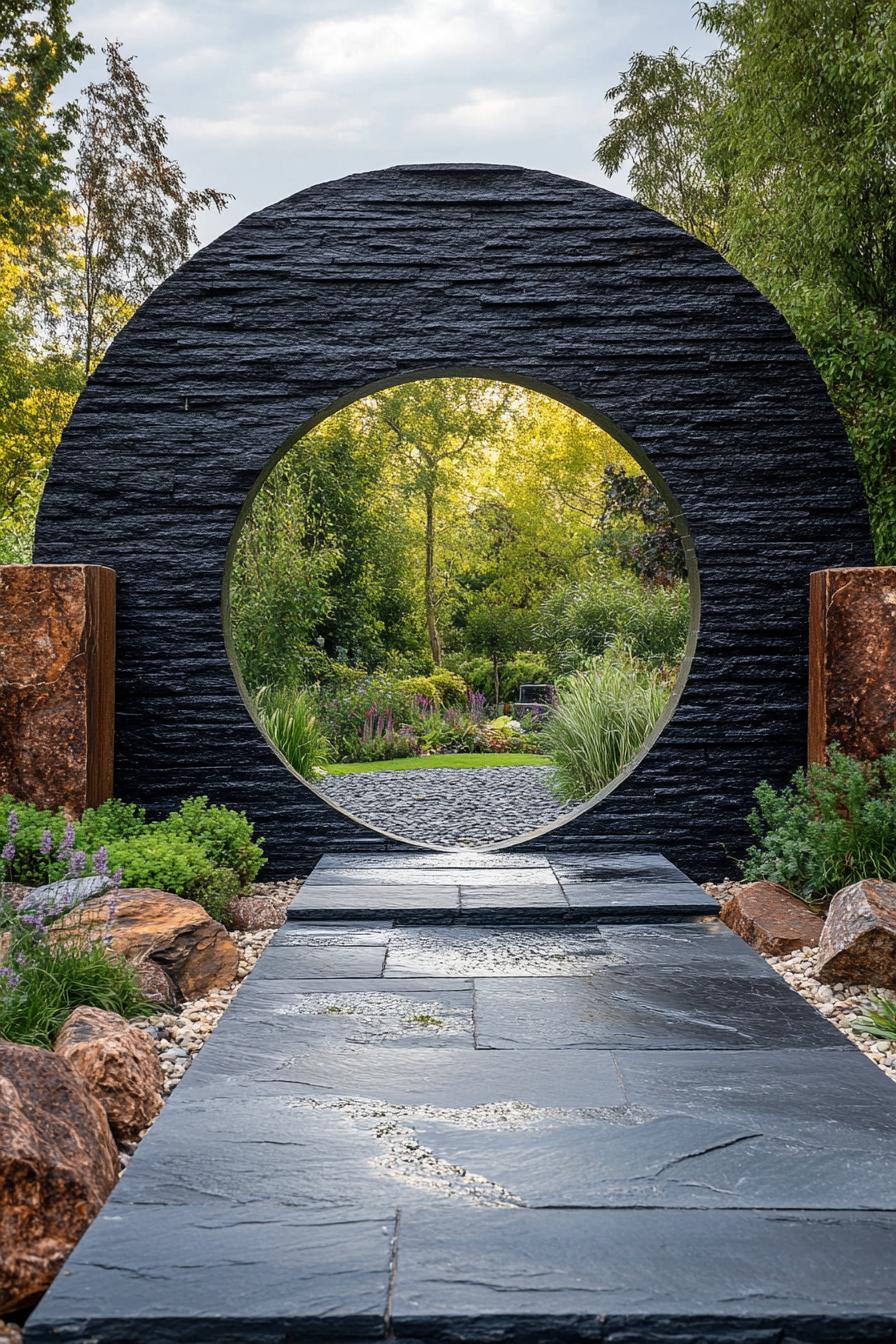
x=780 y=150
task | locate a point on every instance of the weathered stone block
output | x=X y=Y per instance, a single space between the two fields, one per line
x=57 y=684
x=768 y=918
x=858 y=943
x=852 y=661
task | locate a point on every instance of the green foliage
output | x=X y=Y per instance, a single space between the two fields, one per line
x=451 y=688
x=833 y=825
x=879 y=1021
x=112 y=820
x=291 y=721
x=523 y=668
x=36 y=51
x=29 y=865
x=586 y=617
x=422 y=686
x=205 y=853
x=169 y=861
x=777 y=150
x=604 y=714
x=226 y=836
x=60 y=977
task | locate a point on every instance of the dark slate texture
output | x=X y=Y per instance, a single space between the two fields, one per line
x=617 y=1133
x=457 y=268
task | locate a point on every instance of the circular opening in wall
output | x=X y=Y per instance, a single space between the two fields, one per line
x=460 y=607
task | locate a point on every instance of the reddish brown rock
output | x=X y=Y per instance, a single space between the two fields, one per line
x=250 y=913
x=193 y=950
x=58 y=1162
x=852 y=661
x=768 y=918
x=118 y=1063
x=858 y=944
x=155 y=984
x=57 y=680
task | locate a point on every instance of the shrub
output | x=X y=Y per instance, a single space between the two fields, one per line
x=167 y=860
x=603 y=715
x=834 y=824
x=474 y=669
x=523 y=668
x=291 y=722
x=414 y=687
x=452 y=689
x=584 y=618
x=226 y=836
x=30 y=864
x=112 y=820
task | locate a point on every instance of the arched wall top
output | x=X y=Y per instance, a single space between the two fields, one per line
x=457 y=266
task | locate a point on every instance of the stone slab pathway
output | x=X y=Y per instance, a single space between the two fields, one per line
x=437 y=1113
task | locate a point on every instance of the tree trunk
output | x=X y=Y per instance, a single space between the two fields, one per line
x=497 y=675
x=432 y=630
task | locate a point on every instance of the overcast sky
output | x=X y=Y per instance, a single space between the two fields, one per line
x=265 y=97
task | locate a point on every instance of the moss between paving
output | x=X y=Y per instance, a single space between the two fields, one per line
x=468 y=761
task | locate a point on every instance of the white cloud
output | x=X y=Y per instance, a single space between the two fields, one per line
x=502 y=113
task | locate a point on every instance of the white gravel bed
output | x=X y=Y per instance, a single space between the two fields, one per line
x=840 y=1003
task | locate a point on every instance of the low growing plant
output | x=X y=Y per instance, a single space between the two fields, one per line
x=880 y=1020
x=604 y=713
x=226 y=836
x=169 y=860
x=833 y=825
x=45 y=975
x=291 y=721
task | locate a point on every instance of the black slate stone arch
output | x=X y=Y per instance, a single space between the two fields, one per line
x=366 y=279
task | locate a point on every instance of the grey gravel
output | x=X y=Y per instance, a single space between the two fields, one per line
x=450 y=806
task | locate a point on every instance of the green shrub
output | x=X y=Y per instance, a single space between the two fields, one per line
x=474 y=669
x=226 y=836
x=452 y=689
x=586 y=617
x=167 y=860
x=43 y=979
x=523 y=668
x=834 y=824
x=291 y=721
x=424 y=686
x=29 y=865
x=604 y=714
x=112 y=820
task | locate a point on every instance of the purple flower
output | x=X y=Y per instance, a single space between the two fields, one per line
x=46 y=843
x=101 y=861
x=8 y=852
x=77 y=862
x=117 y=877
x=12 y=823
x=9 y=978
x=68 y=839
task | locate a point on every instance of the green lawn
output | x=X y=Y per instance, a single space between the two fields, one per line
x=461 y=762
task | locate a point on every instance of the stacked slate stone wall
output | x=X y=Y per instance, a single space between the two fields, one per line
x=453 y=268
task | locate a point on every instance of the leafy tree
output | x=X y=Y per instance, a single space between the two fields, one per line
x=497 y=632
x=779 y=151
x=36 y=50
x=136 y=218
x=433 y=425
x=638 y=528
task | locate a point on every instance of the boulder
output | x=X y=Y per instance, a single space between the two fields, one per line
x=155 y=984
x=119 y=1064
x=193 y=950
x=768 y=918
x=858 y=944
x=58 y=1162
x=247 y=914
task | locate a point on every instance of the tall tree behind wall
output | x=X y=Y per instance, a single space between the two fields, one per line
x=79 y=249
x=780 y=150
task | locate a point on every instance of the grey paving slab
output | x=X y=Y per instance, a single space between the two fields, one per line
x=644 y=1277
x=284 y=962
x=214 y=1273
x=640 y=896
x=495 y=951
x=614 y=1129
x=653 y=1007
x=453 y=858
x=442 y=876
